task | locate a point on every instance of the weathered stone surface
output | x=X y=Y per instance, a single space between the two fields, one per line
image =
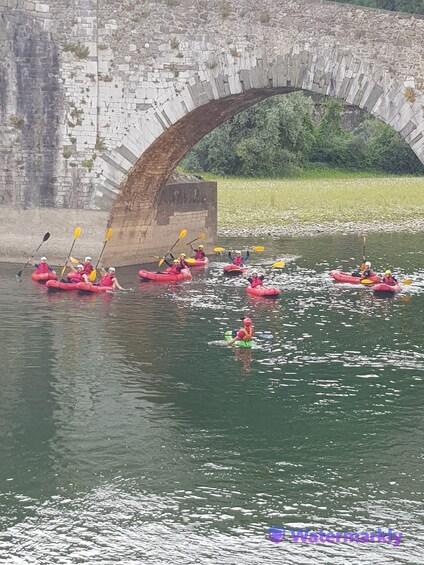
x=99 y=100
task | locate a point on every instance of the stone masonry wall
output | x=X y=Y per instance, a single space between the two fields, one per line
x=100 y=99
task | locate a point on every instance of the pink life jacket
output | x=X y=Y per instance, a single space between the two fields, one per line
x=238 y=261
x=78 y=277
x=256 y=281
x=200 y=255
x=389 y=280
x=107 y=280
x=42 y=268
x=88 y=267
x=174 y=270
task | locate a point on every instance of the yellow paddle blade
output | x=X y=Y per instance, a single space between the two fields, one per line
x=278 y=265
x=258 y=248
x=77 y=233
x=92 y=276
x=367 y=281
x=201 y=236
x=63 y=271
x=183 y=233
x=108 y=234
x=76 y=261
x=190 y=260
x=407 y=281
x=218 y=249
x=161 y=261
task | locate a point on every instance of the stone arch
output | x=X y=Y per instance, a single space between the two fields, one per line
x=153 y=147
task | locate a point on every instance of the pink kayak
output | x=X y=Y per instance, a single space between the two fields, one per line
x=185 y=275
x=43 y=277
x=233 y=270
x=59 y=286
x=197 y=262
x=265 y=291
x=382 y=287
x=90 y=287
x=340 y=276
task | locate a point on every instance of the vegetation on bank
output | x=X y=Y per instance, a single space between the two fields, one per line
x=411 y=6
x=279 y=138
x=336 y=197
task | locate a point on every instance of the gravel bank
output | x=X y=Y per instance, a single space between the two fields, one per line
x=312 y=230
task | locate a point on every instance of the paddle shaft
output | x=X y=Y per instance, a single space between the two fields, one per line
x=69 y=254
x=45 y=238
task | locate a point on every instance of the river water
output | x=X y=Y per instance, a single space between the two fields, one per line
x=129 y=434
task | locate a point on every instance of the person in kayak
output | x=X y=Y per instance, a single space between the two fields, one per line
x=78 y=274
x=366 y=273
x=182 y=260
x=238 y=260
x=255 y=279
x=87 y=266
x=245 y=334
x=199 y=254
x=175 y=269
x=110 y=280
x=389 y=279
x=43 y=267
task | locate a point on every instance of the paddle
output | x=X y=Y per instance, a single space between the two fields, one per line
x=278 y=265
x=19 y=274
x=77 y=233
x=363 y=266
x=367 y=281
x=407 y=281
x=93 y=274
x=183 y=233
x=201 y=236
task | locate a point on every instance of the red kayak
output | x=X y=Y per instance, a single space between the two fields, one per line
x=59 y=286
x=233 y=270
x=339 y=276
x=197 y=262
x=43 y=277
x=382 y=287
x=90 y=287
x=185 y=275
x=265 y=291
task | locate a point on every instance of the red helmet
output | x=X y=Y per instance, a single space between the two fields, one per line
x=247 y=322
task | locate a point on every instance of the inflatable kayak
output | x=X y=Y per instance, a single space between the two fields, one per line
x=90 y=287
x=265 y=291
x=381 y=287
x=340 y=276
x=240 y=343
x=232 y=270
x=43 y=277
x=59 y=286
x=197 y=262
x=185 y=275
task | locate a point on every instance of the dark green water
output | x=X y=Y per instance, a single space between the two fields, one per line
x=129 y=436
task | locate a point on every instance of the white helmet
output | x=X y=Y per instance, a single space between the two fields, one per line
x=368 y=264
x=254 y=272
x=87 y=259
x=80 y=266
x=111 y=269
x=238 y=252
x=43 y=259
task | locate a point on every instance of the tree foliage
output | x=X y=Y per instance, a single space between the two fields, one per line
x=277 y=138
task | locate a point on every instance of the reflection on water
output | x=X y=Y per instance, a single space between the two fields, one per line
x=130 y=434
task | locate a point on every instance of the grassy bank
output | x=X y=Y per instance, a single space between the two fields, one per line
x=327 y=196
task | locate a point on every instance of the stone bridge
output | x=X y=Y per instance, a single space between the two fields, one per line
x=101 y=99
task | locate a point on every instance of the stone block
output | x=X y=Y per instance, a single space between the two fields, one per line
x=42 y=8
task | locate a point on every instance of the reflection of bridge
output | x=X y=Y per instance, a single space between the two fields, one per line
x=100 y=105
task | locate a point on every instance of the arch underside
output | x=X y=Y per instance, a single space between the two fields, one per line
x=179 y=120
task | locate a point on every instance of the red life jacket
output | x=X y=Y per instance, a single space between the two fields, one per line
x=256 y=281
x=88 y=267
x=389 y=280
x=246 y=333
x=238 y=261
x=78 y=277
x=107 y=280
x=42 y=268
x=174 y=270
